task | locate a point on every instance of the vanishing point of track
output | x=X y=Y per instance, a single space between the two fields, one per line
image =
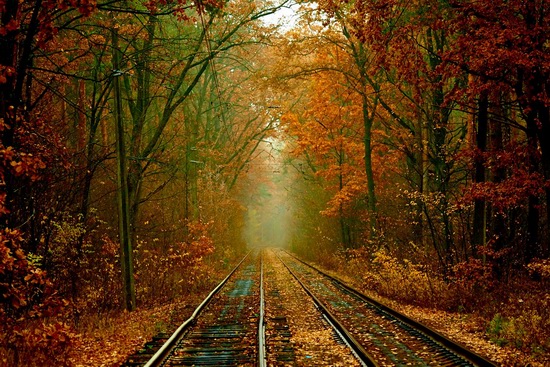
x=235 y=326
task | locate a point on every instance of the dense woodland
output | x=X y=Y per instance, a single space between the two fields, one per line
x=145 y=145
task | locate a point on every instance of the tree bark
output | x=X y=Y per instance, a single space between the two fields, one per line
x=480 y=208
x=122 y=192
x=367 y=141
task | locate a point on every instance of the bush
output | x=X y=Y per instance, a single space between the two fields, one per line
x=525 y=327
x=29 y=308
x=472 y=282
x=400 y=280
x=85 y=268
x=517 y=312
x=165 y=271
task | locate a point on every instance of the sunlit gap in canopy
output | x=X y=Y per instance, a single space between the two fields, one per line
x=285 y=17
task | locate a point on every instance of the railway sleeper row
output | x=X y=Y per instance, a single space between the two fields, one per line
x=239 y=325
x=390 y=338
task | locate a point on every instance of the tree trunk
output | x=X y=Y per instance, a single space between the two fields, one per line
x=497 y=218
x=544 y=141
x=367 y=141
x=417 y=181
x=480 y=208
x=123 y=205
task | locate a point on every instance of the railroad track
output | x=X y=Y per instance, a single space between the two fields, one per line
x=223 y=329
x=382 y=335
x=275 y=310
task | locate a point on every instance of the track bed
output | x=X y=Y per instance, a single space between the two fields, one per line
x=275 y=310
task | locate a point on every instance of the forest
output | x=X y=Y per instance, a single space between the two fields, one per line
x=147 y=144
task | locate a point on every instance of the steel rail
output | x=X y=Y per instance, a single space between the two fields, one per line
x=158 y=358
x=436 y=336
x=360 y=352
x=262 y=358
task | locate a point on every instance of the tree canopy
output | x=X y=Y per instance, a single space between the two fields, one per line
x=148 y=142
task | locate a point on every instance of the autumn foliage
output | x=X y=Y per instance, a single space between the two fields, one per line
x=411 y=143
x=456 y=133
x=188 y=145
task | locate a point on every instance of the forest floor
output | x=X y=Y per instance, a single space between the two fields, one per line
x=107 y=341
x=311 y=338
x=465 y=328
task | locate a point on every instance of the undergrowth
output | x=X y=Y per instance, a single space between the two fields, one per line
x=516 y=310
x=45 y=313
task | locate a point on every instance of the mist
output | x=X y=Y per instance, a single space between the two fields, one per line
x=268 y=221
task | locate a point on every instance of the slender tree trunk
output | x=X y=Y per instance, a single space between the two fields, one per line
x=480 y=208
x=537 y=85
x=435 y=43
x=81 y=121
x=498 y=220
x=544 y=141
x=441 y=170
x=417 y=173
x=123 y=205
x=425 y=177
x=344 y=230
x=367 y=140
x=360 y=57
x=139 y=110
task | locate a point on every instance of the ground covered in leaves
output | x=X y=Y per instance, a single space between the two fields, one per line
x=107 y=341
x=467 y=329
x=311 y=337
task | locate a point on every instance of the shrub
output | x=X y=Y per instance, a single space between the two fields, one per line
x=526 y=328
x=472 y=282
x=30 y=336
x=85 y=268
x=165 y=271
x=401 y=280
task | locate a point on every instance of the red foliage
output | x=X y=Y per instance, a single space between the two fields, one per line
x=522 y=179
x=28 y=146
x=496 y=37
x=27 y=298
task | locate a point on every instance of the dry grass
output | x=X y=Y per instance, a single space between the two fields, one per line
x=507 y=321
